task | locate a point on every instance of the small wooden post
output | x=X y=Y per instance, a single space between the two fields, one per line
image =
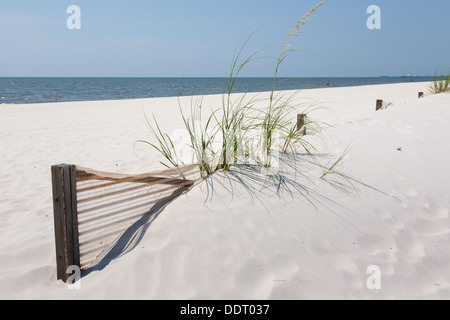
x=66 y=219
x=421 y=95
x=301 y=124
x=379 y=104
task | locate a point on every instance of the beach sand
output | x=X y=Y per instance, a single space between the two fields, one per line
x=231 y=239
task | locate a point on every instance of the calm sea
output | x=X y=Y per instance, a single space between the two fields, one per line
x=41 y=90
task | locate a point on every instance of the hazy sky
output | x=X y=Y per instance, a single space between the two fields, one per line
x=197 y=38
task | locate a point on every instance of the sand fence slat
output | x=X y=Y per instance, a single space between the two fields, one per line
x=178 y=184
x=84 y=174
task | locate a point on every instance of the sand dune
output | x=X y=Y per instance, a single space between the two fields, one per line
x=239 y=235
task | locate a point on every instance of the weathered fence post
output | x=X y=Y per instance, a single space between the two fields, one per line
x=379 y=105
x=301 y=124
x=66 y=219
x=421 y=95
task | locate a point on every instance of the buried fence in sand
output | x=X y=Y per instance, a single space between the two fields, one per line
x=93 y=209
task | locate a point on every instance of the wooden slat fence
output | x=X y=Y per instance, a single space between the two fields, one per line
x=93 y=208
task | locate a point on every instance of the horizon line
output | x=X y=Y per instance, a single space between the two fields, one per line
x=217 y=77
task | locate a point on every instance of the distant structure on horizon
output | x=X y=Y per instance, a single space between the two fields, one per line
x=404 y=76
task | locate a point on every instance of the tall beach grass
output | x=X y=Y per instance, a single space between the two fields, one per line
x=440 y=84
x=240 y=130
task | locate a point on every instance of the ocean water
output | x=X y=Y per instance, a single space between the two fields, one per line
x=44 y=90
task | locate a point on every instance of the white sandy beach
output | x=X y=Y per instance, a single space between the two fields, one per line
x=226 y=239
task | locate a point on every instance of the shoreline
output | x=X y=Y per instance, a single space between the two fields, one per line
x=212 y=94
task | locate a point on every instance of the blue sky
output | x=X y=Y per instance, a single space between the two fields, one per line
x=197 y=38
